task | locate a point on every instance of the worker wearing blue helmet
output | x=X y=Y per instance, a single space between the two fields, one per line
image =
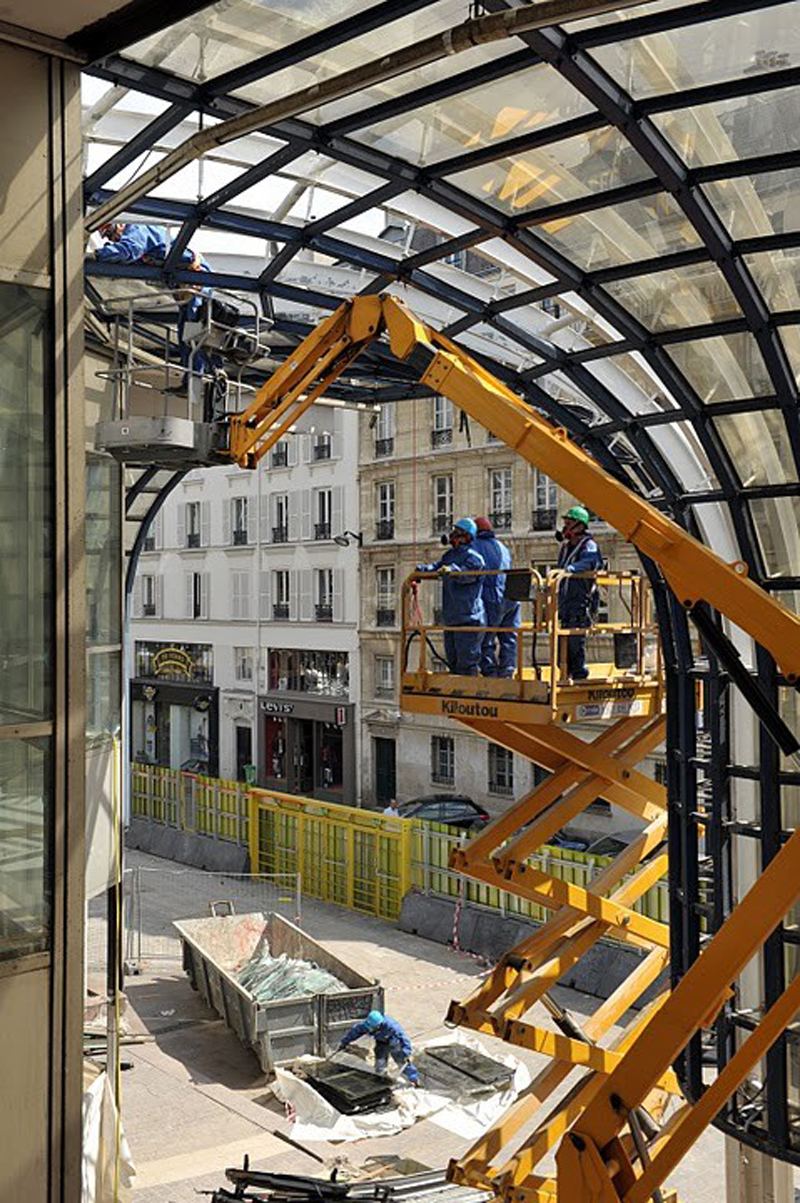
x=390 y=1041
x=462 y=600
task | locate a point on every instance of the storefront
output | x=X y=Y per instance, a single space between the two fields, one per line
x=175 y=707
x=307 y=746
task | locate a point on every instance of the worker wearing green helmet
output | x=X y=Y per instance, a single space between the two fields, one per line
x=577 y=598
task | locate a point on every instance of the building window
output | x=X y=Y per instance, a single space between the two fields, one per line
x=385 y=596
x=280 y=455
x=442 y=504
x=243 y=658
x=545 y=507
x=281 y=594
x=384 y=431
x=193 y=524
x=384 y=676
x=322 y=523
x=295 y=671
x=323 y=445
x=280 y=518
x=500 y=498
x=240 y=595
x=501 y=771
x=442 y=429
x=660 y=771
x=323 y=591
x=149 y=607
x=443 y=760
x=384 y=505
x=197 y=594
x=239 y=521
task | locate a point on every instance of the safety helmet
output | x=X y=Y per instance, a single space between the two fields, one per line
x=108 y=228
x=466 y=524
x=374 y=1020
x=483 y=524
x=578 y=513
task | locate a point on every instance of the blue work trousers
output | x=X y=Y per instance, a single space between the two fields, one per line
x=384 y=1051
x=462 y=649
x=505 y=614
x=576 y=645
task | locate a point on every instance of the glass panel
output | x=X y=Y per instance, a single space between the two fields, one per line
x=722 y=369
x=26 y=520
x=776 y=274
x=758 y=444
x=790 y=336
x=103 y=694
x=756 y=205
x=681 y=448
x=25 y=800
x=625 y=14
x=777 y=522
x=705 y=53
x=726 y=130
x=563 y=171
x=631 y=380
x=642 y=229
x=680 y=298
x=483 y=116
x=103 y=551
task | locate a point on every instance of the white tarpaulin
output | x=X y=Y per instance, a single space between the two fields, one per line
x=317 y=1119
x=100 y=1181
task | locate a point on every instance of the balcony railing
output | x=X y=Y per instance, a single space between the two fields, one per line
x=322 y=530
x=384 y=617
x=324 y=613
x=280 y=534
x=280 y=610
x=501 y=519
x=322 y=451
x=239 y=538
x=439 y=778
x=385 y=529
x=280 y=456
x=442 y=523
x=193 y=539
x=544 y=519
x=442 y=438
x=384 y=447
x=149 y=610
x=149 y=543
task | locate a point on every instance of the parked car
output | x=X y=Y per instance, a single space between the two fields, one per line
x=455 y=810
x=606 y=845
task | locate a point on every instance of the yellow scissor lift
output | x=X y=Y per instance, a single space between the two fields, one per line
x=612 y=1145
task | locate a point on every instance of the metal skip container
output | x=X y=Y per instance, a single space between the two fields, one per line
x=216 y=949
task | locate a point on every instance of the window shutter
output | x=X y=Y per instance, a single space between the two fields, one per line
x=337 y=510
x=205 y=523
x=305 y=514
x=338 y=595
x=337 y=434
x=158 y=530
x=251 y=520
x=188 y=578
x=205 y=581
x=294 y=517
x=305 y=441
x=263 y=595
x=306 y=598
x=234 y=597
x=291 y=450
x=245 y=589
x=181 y=509
x=227 y=536
x=136 y=605
x=159 y=595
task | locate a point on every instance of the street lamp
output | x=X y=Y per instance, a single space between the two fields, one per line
x=344 y=539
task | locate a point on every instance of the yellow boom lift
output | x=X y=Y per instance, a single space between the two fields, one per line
x=613 y=1140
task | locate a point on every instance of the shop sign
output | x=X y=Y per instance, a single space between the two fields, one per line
x=149 y=692
x=173 y=660
x=277 y=707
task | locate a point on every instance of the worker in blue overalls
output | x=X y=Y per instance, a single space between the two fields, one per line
x=577 y=599
x=135 y=242
x=390 y=1041
x=462 y=598
x=501 y=613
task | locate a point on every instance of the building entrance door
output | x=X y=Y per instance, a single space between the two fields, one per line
x=385 y=762
x=244 y=750
x=303 y=758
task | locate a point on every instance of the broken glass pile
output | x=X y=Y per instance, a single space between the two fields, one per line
x=269 y=978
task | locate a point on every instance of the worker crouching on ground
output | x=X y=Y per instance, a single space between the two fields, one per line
x=390 y=1041
x=462 y=600
x=499 y=611
x=577 y=599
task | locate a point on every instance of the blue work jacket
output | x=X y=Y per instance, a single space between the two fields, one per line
x=142 y=243
x=462 y=601
x=494 y=555
x=390 y=1032
x=574 y=596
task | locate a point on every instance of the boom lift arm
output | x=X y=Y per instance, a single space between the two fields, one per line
x=694 y=572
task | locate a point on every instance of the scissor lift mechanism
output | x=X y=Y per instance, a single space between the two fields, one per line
x=609 y=1147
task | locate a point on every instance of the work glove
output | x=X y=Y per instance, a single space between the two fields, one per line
x=446 y=568
x=421 y=568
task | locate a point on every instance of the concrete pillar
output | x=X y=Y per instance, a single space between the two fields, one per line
x=752 y=1177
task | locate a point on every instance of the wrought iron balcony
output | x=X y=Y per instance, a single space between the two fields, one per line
x=280 y=534
x=384 y=447
x=501 y=519
x=385 y=529
x=443 y=778
x=280 y=610
x=384 y=617
x=193 y=539
x=324 y=613
x=322 y=530
x=239 y=537
x=442 y=523
x=149 y=610
x=322 y=451
x=544 y=519
x=442 y=438
x=149 y=543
